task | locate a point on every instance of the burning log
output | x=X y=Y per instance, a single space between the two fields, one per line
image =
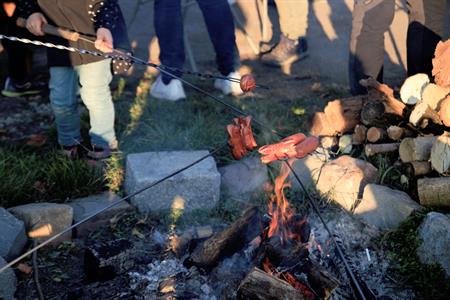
x=228 y=241
x=321 y=126
x=434 y=191
x=396 y=133
x=321 y=281
x=344 y=115
x=376 y=135
x=423 y=111
x=359 y=135
x=440 y=153
x=417 y=168
x=263 y=286
x=374 y=149
x=416 y=149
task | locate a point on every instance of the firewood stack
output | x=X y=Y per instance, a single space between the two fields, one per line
x=416 y=126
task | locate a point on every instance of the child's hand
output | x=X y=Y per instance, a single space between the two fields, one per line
x=9 y=8
x=104 y=40
x=35 y=23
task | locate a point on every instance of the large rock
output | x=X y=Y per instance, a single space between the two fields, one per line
x=435 y=235
x=44 y=220
x=194 y=188
x=85 y=207
x=308 y=170
x=8 y=282
x=12 y=235
x=385 y=208
x=343 y=180
x=245 y=177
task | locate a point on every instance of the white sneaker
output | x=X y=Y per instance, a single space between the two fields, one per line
x=229 y=87
x=173 y=91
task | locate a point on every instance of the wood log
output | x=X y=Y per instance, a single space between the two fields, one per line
x=376 y=134
x=411 y=90
x=373 y=149
x=345 y=144
x=321 y=281
x=344 y=114
x=383 y=93
x=440 y=153
x=444 y=112
x=417 y=168
x=263 y=286
x=396 y=133
x=321 y=126
x=359 y=135
x=228 y=241
x=423 y=111
x=441 y=64
x=434 y=192
x=416 y=149
x=329 y=142
x=434 y=94
x=372 y=114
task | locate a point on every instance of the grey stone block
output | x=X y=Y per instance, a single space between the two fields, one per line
x=12 y=235
x=244 y=178
x=85 y=207
x=194 y=188
x=8 y=282
x=44 y=220
x=435 y=235
x=385 y=208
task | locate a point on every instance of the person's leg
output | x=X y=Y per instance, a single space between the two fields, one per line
x=63 y=90
x=168 y=22
x=371 y=19
x=293 y=18
x=94 y=79
x=220 y=24
x=425 y=30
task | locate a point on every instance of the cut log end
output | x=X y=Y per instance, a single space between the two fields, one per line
x=373 y=149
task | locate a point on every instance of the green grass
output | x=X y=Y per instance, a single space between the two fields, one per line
x=428 y=280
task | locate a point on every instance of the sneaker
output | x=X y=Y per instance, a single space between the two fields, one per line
x=173 y=91
x=12 y=89
x=98 y=153
x=229 y=87
x=286 y=51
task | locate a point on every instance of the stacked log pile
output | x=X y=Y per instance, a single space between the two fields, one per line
x=415 y=126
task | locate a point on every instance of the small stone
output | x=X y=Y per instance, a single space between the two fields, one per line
x=44 y=220
x=12 y=235
x=8 y=282
x=435 y=235
x=195 y=188
x=244 y=177
x=343 y=180
x=385 y=208
x=85 y=207
x=205 y=289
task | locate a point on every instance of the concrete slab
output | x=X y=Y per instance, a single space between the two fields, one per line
x=194 y=188
x=12 y=235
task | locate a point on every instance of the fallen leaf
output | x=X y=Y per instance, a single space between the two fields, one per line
x=37 y=140
x=24 y=268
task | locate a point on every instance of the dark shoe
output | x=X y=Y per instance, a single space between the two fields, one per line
x=70 y=152
x=28 y=88
x=98 y=153
x=286 y=51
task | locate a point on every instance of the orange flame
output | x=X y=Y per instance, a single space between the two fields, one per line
x=279 y=207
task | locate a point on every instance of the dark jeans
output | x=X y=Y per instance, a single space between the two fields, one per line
x=370 y=21
x=169 y=30
x=17 y=52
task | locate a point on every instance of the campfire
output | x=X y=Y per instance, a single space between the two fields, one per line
x=276 y=247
